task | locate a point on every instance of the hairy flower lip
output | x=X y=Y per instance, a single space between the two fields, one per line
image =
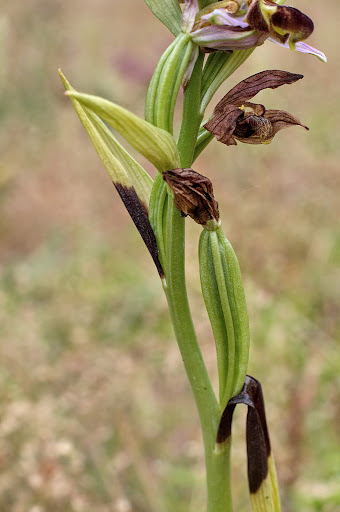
x=231 y=121
x=217 y=29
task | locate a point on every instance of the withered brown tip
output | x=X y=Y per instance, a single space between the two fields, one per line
x=139 y=213
x=193 y=194
x=258 y=443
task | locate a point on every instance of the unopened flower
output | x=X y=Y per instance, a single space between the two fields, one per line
x=236 y=118
x=194 y=195
x=239 y=24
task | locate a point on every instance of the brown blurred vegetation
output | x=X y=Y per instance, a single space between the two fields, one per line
x=95 y=410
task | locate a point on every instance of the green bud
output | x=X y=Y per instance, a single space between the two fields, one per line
x=166 y=80
x=225 y=301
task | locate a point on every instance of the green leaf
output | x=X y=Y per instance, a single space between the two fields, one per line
x=130 y=179
x=132 y=174
x=168 y=12
x=157 y=145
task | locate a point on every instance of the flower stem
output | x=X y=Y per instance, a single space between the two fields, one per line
x=217 y=463
x=191 y=115
x=176 y=292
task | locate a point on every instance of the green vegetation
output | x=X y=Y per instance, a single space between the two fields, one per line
x=95 y=410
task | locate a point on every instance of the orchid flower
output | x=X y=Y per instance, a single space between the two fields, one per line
x=231 y=121
x=236 y=24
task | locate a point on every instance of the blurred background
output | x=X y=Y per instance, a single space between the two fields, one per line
x=95 y=409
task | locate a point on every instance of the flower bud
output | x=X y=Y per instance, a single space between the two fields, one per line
x=194 y=196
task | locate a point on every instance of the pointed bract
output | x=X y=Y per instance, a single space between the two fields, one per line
x=168 y=12
x=131 y=181
x=155 y=144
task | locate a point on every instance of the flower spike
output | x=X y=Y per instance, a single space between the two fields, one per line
x=230 y=25
x=231 y=121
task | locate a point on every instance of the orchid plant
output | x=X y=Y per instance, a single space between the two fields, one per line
x=211 y=41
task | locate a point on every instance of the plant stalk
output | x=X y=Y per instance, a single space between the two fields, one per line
x=217 y=463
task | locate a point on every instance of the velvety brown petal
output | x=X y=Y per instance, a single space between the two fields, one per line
x=255 y=17
x=292 y=21
x=194 y=194
x=262 y=129
x=223 y=124
x=254 y=130
x=249 y=87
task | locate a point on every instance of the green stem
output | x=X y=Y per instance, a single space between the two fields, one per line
x=217 y=464
x=176 y=292
x=191 y=115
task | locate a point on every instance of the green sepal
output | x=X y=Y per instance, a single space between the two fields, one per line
x=168 y=12
x=155 y=144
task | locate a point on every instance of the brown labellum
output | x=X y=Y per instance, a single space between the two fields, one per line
x=235 y=118
x=292 y=21
x=194 y=195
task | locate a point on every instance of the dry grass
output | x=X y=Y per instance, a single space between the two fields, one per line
x=95 y=411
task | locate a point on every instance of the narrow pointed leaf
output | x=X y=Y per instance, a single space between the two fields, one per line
x=130 y=179
x=157 y=145
x=168 y=12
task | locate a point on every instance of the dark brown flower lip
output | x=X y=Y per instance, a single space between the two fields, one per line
x=194 y=195
x=231 y=121
x=281 y=21
x=293 y=22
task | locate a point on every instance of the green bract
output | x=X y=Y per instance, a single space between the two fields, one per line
x=155 y=144
x=132 y=182
x=120 y=166
x=168 y=12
